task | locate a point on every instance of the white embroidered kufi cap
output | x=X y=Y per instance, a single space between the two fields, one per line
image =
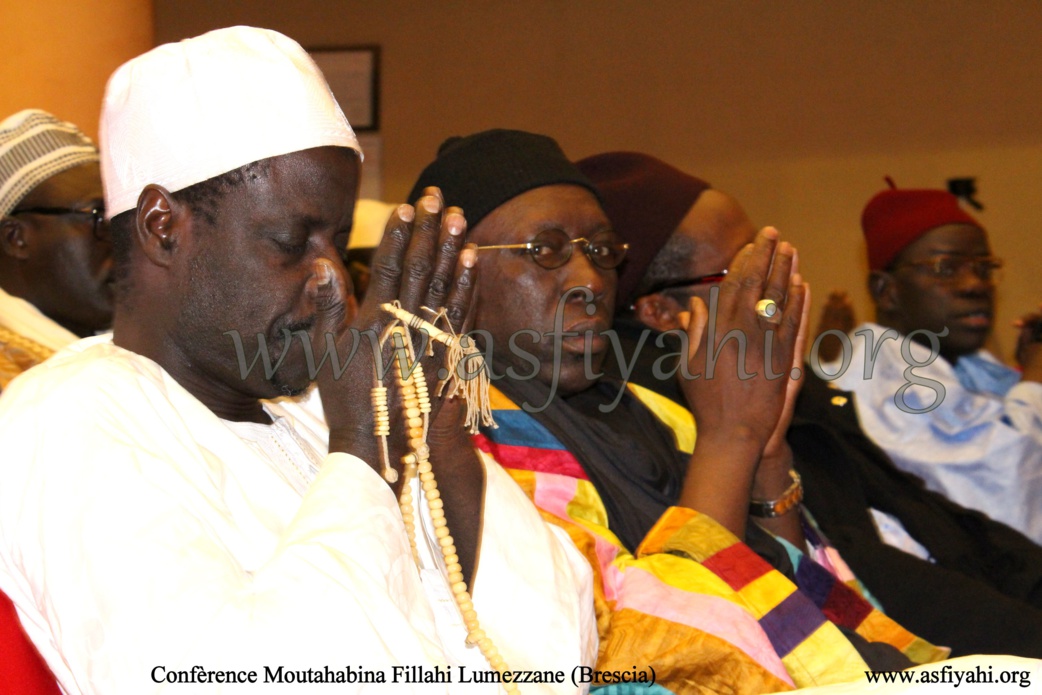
x=188 y=111
x=34 y=146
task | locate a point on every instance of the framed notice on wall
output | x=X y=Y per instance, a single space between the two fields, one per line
x=353 y=73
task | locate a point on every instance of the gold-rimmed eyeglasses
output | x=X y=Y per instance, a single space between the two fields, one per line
x=552 y=248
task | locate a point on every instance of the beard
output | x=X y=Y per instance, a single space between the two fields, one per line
x=288 y=378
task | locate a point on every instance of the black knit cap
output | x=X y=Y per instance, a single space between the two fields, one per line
x=480 y=172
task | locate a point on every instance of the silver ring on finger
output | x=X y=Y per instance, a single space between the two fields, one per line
x=767 y=309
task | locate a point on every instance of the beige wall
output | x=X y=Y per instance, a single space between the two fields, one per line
x=796 y=107
x=57 y=54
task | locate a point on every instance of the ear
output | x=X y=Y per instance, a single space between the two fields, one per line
x=883 y=288
x=159 y=223
x=14 y=241
x=658 y=311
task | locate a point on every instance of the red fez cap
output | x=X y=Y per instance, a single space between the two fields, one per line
x=645 y=199
x=896 y=217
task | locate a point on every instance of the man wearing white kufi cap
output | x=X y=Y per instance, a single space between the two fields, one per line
x=167 y=522
x=55 y=264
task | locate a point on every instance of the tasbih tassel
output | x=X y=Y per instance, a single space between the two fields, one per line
x=472 y=387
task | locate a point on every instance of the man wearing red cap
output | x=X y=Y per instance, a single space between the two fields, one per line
x=927 y=392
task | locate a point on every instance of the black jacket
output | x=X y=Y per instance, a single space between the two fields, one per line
x=983 y=592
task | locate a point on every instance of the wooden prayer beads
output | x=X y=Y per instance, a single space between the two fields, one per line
x=416 y=409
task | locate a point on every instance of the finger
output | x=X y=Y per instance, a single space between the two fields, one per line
x=800 y=347
x=386 y=272
x=793 y=322
x=461 y=295
x=1029 y=327
x=1027 y=319
x=696 y=325
x=328 y=289
x=748 y=281
x=738 y=263
x=468 y=320
x=729 y=286
x=784 y=265
x=420 y=256
x=453 y=228
x=792 y=388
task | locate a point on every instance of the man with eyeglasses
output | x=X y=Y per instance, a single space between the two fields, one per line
x=661 y=521
x=55 y=266
x=927 y=391
x=852 y=489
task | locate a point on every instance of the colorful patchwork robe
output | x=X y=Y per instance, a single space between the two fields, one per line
x=693 y=602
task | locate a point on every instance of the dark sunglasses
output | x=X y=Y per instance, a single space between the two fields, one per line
x=686 y=282
x=97 y=215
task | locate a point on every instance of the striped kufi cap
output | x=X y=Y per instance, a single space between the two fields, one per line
x=34 y=146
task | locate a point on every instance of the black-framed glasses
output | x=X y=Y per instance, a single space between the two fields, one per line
x=552 y=248
x=949 y=268
x=686 y=282
x=97 y=215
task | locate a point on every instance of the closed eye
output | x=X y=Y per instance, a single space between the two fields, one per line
x=291 y=248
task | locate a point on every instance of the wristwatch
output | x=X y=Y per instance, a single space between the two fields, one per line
x=789 y=500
